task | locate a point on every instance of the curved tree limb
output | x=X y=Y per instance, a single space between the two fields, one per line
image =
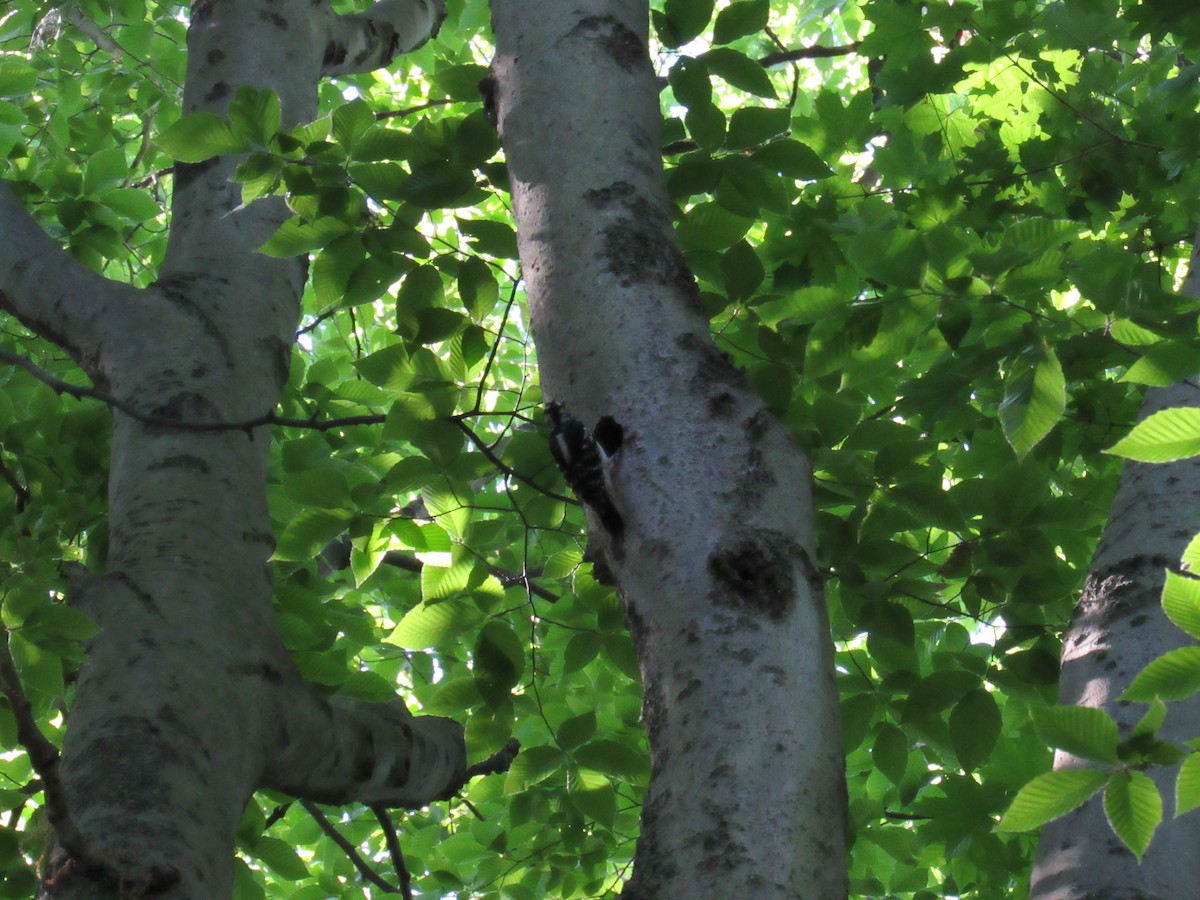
x=50 y=291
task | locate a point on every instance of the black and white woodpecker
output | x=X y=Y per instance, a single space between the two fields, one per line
x=587 y=461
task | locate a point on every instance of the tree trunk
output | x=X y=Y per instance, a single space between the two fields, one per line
x=1118 y=628
x=724 y=604
x=188 y=701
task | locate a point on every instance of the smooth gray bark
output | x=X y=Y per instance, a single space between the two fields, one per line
x=188 y=701
x=747 y=795
x=1118 y=628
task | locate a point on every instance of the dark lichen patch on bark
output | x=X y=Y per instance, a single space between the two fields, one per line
x=182 y=461
x=335 y=54
x=218 y=91
x=714 y=371
x=617 y=40
x=756 y=574
x=185 y=173
x=637 y=243
x=274 y=18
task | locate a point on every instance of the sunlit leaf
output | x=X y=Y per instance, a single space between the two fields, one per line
x=1164 y=436
x=1050 y=796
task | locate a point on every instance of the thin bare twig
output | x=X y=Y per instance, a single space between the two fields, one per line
x=786 y=56
x=349 y=849
x=409 y=110
x=388 y=824
x=43 y=756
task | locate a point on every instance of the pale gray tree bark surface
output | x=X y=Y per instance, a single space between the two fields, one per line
x=1118 y=627
x=188 y=701
x=747 y=795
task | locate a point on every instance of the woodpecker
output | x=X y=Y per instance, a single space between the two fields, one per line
x=587 y=463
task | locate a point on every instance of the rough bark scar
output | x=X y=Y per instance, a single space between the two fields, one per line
x=616 y=39
x=756 y=573
x=335 y=55
x=185 y=173
x=637 y=248
x=183 y=461
x=274 y=18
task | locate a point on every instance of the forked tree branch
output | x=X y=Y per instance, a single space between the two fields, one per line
x=50 y=291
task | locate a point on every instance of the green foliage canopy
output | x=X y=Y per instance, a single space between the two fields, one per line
x=945 y=251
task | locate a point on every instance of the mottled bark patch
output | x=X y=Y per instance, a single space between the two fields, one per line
x=185 y=173
x=274 y=18
x=335 y=55
x=182 y=461
x=186 y=406
x=280 y=353
x=217 y=92
x=638 y=244
x=617 y=40
x=756 y=574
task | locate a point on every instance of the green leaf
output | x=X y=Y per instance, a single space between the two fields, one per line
x=432 y=624
x=280 y=857
x=131 y=203
x=751 y=126
x=575 y=730
x=593 y=796
x=200 y=136
x=16 y=78
x=581 y=650
x=461 y=82
x=325 y=487
x=740 y=71
x=1134 y=809
x=351 y=121
x=493 y=238
x=477 y=287
x=690 y=83
x=438 y=582
x=740 y=19
x=380 y=180
x=499 y=661
x=328 y=668
x=1181 y=602
x=254 y=114
x=59 y=622
x=743 y=271
x=1187 y=785
x=937 y=692
x=437 y=185
x=1080 y=730
x=296 y=236
x=975 y=726
x=707 y=226
x=307 y=533
x=793 y=159
x=1164 y=436
x=1049 y=796
x=890 y=752
x=614 y=758
x=532 y=765
x=1035 y=398
x=682 y=20
x=706 y=124
x=105 y=169
x=896 y=258
x=1191 y=555
x=381 y=143
x=1151 y=721
x=1173 y=676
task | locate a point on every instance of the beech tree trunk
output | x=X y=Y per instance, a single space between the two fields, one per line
x=1118 y=628
x=188 y=701
x=747 y=794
